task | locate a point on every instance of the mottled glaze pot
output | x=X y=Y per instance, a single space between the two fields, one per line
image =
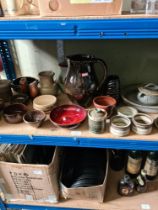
x=148 y=94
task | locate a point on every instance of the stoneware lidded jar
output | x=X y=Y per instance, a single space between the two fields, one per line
x=96 y=120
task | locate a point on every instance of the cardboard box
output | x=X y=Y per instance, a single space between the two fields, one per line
x=16 y=7
x=30 y=182
x=96 y=192
x=65 y=8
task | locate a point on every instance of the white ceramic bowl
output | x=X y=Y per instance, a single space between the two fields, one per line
x=142 y=124
x=142 y=120
x=44 y=102
x=127 y=111
x=141 y=131
x=120 y=126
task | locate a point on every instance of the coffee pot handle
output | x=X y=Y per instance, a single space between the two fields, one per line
x=103 y=64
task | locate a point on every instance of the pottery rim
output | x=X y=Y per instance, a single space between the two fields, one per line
x=123 y=109
x=111 y=102
x=103 y=118
x=148 y=121
x=122 y=119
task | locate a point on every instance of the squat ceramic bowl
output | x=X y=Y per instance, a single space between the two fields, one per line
x=34 y=118
x=14 y=113
x=142 y=124
x=120 y=126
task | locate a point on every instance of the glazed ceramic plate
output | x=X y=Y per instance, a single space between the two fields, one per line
x=68 y=115
x=129 y=96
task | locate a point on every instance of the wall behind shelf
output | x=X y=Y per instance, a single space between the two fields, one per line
x=133 y=60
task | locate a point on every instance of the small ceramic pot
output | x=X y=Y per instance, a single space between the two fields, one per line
x=14 y=113
x=20 y=98
x=120 y=126
x=142 y=124
x=49 y=91
x=141 y=131
x=107 y=103
x=1 y=104
x=34 y=118
x=46 y=79
x=127 y=111
x=5 y=90
x=148 y=94
x=25 y=85
x=96 y=120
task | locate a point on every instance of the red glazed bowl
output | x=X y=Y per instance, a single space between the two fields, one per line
x=68 y=116
x=104 y=102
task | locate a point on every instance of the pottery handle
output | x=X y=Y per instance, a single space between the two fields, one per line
x=110 y=112
x=103 y=64
x=140 y=95
x=151 y=85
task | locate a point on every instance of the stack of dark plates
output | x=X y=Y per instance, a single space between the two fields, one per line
x=112 y=87
x=84 y=167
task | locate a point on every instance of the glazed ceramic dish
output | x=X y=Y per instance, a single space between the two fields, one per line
x=68 y=115
x=120 y=126
x=142 y=124
x=129 y=96
x=14 y=113
x=127 y=111
x=148 y=94
x=44 y=102
x=104 y=102
x=34 y=118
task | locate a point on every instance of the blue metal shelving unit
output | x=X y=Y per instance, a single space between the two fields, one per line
x=114 y=28
x=123 y=28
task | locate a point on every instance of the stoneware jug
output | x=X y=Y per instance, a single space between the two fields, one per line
x=82 y=81
x=48 y=85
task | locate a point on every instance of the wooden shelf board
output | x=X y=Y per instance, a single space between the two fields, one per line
x=123 y=16
x=48 y=129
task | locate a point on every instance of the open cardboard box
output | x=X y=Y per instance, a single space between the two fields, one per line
x=65 y=8
x=30 y=182
x=96 y=192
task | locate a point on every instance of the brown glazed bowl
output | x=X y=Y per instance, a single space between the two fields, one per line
x=34 y=118
x=14 y=113
x=104 y=102
x=20 y=98
x=1 y=104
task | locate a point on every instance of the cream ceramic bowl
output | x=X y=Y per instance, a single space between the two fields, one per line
x=44 y=102
x=142 y=124
x=120 y=126
x=127 y=111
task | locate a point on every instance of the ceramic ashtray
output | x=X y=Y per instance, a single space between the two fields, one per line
x=127 y=111
x=142 y=124
x=120 y=126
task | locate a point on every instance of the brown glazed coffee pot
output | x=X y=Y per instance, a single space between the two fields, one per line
x=82 y=81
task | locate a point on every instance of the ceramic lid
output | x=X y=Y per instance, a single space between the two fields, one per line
x=97 y=114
